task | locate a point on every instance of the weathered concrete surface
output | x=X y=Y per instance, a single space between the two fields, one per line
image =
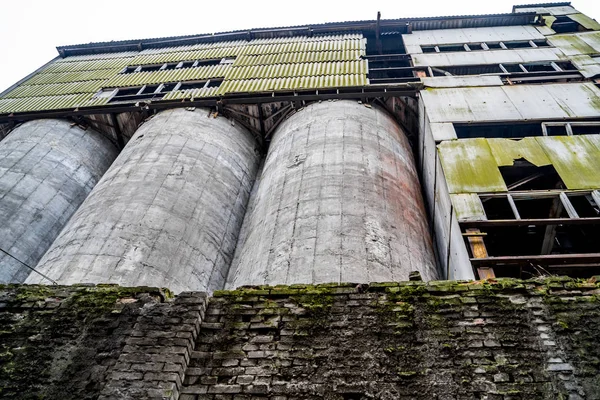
x=338 y=201
x=167 y=213
x=47 y=169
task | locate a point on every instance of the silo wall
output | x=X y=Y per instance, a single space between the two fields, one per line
x=47 y=169
x=338 y=201
x=169 y=210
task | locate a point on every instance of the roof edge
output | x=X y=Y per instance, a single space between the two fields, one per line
x=559 y=4
x=401 y=25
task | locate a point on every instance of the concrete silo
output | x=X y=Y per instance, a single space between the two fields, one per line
x=169 y=210
x=47 y=169
x=338 y=200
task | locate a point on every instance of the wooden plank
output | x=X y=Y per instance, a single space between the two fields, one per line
x=479 y=251
x=521 y=222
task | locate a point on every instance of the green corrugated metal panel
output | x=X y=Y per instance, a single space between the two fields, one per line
x=185 y=56
x=192 y=93
x=301 y=47
x=307 y=82
x=585 y=21
x=468 y=207
x=42 y=103
x=172 y=75
x=266 y=41
x=95 y=101
x=76 y=76
x=575 y=158
x=88 y=65
x=56 y=89
x=506 y=151
x=297 y=70
x=292 y=58
x=104 y=56
x=470 y=167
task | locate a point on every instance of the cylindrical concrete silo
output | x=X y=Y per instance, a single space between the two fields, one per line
x=168 y=211
x=47 y=169
x=338 y=201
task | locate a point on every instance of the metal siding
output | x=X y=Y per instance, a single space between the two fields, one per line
x=487 y=57
x=577 y=43
x=513 y=103
x=506 y=151
x=575 y=158
x=461 y=81
x=470 y=167
x=472 y=35
x=468 y=207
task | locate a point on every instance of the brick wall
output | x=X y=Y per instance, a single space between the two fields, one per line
x=504 y=339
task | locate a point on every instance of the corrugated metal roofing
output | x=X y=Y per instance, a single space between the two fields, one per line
x=172 y=75
x=56 y=89
x=293 y=58
x=290 y=62
x=308 y=82
x=471 y=165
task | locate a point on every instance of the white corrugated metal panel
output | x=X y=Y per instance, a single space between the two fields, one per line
x=513 y=103
x=468 y=207
x=443 y=131
x=577 y=43
x=563 y=10
x=545 y=30
x=462 y=81
x=588 y=66
x=487 y=57
x=472 y=35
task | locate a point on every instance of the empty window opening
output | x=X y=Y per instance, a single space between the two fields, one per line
x=214 y=83
x=511 y=131
x=192 y=85
x=497 y=207
x=523 y=175
x=484 y=46
x=564 y=24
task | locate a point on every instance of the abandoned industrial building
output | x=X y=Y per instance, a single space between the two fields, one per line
x=392 y=208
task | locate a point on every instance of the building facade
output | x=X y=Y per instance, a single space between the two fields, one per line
x=458 y=147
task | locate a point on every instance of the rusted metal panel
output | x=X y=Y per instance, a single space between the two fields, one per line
x=488 y=57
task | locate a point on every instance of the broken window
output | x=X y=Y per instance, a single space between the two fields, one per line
x=533 y=232
x=521 y=130
x=564 y=24
x=523 y=175
x=484 y=46
x=177 y=65
x=155 y=91
x=391 y=69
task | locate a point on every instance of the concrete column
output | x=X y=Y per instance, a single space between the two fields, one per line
x=47 y=169
x=167 y=213
x=338 y=201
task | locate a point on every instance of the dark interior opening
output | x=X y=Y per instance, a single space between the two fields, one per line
x=497 y=208
x=128 y=91
x=564 y=24
x=151 y=68
x=523 y=175
x=511 y=131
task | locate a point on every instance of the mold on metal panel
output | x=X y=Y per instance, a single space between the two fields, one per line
x=488 y=57
x=443 y=131
x=470 y=167
x=468 y=207
x=505 y=151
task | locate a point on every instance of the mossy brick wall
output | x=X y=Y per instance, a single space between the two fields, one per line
x=504 y=339
x=87 y=342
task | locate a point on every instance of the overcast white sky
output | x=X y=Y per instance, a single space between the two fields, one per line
x=31 y=29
